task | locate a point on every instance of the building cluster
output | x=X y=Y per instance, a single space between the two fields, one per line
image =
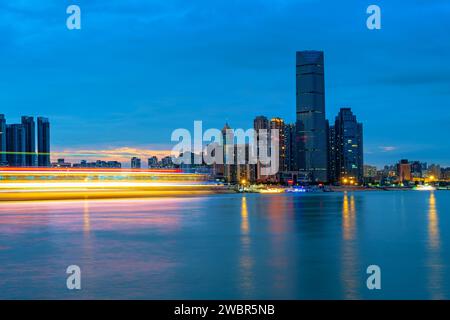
x=19 y=145
x=406 y=173
x=153 y=163
x=309 y=150
x=61 y=163
x=312 y=150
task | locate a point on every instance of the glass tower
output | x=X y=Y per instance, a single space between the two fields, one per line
x=310 y=107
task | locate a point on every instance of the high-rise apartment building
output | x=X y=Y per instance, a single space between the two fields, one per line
x=135 y=163
x=278 y=124
x=30 y=141
x=15 y=145
x=348 y=147
x=43 y=142
x=3 y=160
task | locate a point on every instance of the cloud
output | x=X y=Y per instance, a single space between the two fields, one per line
x=387 y=148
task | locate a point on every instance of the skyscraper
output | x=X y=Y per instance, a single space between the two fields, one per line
x=43 y=142
x=261 y=123
x=15 y=145
x=135 y=163
x=348 y=147
x=290 y=160
x=278 y=124
x=3 y=160
x=30 y=141
x=331 y=136
x=310 y=108
x=152 y=162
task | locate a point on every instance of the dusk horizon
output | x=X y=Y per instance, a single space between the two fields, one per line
x=87 y=86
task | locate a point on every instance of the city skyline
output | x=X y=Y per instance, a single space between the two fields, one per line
x=91 y=86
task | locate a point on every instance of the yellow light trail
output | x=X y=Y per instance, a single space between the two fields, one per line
x=58 y=184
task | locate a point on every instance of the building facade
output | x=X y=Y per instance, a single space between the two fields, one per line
x=3 y=161
x=135 y=163
x=261 y=123
x=15 y=145
x=290 y=160
x=347 y=148
x=310 y=115
x=30 y=141
x=278 y=124
x=43 y=142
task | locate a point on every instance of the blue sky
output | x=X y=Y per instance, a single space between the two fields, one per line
x=137 y=70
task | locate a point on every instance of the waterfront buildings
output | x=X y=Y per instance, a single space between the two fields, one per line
x=167 y=162
x=278 y=124
x=97 y=164
x=370 y=171
x=346 y=150
x=262 y=127
x=15 y=145
x=61 y=163
x=3 y=140
x=30 y=140
x=152 y=162
x=18 y=142
x=43 y=142
x=310 y=115
x=404 y=171
x=135 y=163
x=290 y=159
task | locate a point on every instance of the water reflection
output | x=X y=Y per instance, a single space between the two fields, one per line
x=435 y=267
x=349 y=273
x=86 y=218
x=279 y=212
x=246 y=260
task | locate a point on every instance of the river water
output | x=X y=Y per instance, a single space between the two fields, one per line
x=232 y=246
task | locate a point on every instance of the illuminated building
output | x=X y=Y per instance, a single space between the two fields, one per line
x=416 y=169
x=237 y=172
x=404 y=171
x=43 y=142
x=261 y=123
x=310 y=109
x=348 y=147
x=331 y=154
x=135 y=163
x=15 y=145
x=434 y=171
x=60 y=163
x=370 y=171
x=290 y=160
x=278 y=124
x=3 y=160
x=30 y=141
